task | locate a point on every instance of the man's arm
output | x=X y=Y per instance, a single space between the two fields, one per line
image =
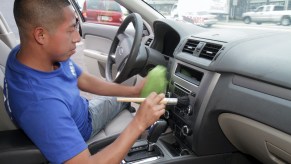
x=150 y=111
x=92 y=84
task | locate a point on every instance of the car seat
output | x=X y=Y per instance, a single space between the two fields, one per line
x=16 y=147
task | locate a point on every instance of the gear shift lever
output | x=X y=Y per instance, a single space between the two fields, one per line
x=149 y=150
x=154 y=133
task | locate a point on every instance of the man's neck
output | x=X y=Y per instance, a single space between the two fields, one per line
x=35 y=59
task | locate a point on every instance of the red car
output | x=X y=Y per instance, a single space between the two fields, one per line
x=102 y=12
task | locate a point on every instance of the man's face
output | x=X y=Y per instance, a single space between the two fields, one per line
x=62 y=41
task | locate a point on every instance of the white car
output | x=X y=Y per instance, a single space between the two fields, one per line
x=268 y=13
x=200 y=18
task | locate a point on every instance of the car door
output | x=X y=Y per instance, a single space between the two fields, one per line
x=100 y=22
x=266 y=14
x=258 y=15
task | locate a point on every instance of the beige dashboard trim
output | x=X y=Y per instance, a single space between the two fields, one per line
x=265 y=143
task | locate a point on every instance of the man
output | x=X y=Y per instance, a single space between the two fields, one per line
x=42 y=89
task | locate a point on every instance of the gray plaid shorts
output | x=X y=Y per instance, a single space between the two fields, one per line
x=102 y=110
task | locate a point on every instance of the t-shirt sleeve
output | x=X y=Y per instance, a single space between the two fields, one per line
x=50 y=126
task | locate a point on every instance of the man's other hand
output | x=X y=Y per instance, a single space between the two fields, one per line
x=150 y=110
x=139 y=86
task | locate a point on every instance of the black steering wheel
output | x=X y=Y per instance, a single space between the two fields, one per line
x=124 y=50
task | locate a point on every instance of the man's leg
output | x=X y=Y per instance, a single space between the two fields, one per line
x=103 y=110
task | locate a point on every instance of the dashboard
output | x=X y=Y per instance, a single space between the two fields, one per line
x=239 y=86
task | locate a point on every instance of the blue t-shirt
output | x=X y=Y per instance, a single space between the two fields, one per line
x=48 y=107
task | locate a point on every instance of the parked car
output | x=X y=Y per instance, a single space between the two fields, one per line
x=268 y=13
x=197 y=17
x=103 y=12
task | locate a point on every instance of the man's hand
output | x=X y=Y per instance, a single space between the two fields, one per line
x=92 y=84
x=139 y=86
x=150 y=111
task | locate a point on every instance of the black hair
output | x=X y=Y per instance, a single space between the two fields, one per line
x=38 y=13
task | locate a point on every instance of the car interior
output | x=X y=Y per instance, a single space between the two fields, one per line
x=14 y=143
x=237 y=81
x=15 y=146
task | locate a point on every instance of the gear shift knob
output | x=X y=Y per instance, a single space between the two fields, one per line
x=154 y=133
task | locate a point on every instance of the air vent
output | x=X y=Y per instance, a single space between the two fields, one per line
x=148 y=42
x=190 y=46
x=210 y=50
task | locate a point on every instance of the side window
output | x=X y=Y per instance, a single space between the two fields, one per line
x=260 y=9
x=278 y=8
x=106 y=12
x=268 y=8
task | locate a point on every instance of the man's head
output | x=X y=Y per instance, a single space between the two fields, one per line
x=48 y=25
x=38 y=13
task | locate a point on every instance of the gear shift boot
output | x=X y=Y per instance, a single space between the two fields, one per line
x=141 y=153
x=149 y=149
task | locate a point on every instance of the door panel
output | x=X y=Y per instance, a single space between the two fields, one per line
x=96 y=52
x=98 y=36
x=97 y=40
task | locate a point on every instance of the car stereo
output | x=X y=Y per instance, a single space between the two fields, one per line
x=194 y=82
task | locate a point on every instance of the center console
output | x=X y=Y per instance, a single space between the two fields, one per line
x=185 y=80
x=197 y=84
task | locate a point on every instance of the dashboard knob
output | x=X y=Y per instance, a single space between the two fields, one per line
x=168 y=94
x=167 y=114
x=189 y=110
x=186 y=131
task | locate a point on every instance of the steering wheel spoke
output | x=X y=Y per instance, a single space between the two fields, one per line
x=121 y=36
x=121 y=66
x=112 y=57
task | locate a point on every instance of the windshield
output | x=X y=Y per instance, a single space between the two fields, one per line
x=214 y=13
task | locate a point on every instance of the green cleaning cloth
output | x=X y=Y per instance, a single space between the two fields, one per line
x=156 y=81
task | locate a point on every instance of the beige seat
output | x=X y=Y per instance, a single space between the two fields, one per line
x=6 y=123
x=15 y=147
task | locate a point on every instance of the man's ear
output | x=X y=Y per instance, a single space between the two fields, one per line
x=40 y=35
